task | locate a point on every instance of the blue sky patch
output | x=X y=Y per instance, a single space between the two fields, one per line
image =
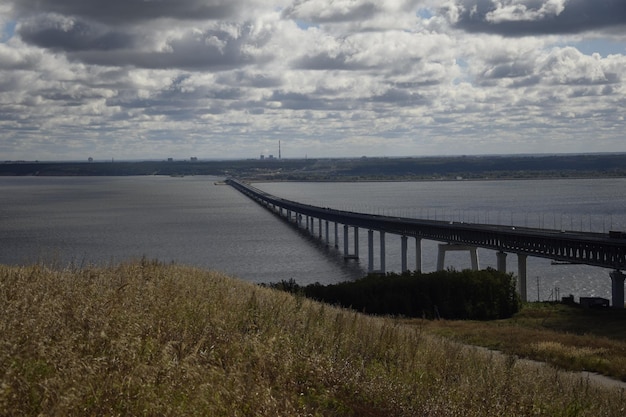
x=8 y=31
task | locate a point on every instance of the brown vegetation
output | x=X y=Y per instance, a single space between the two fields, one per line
x=147 y=339
x=569 y=337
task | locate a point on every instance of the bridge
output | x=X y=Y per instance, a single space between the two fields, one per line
x=595 y=249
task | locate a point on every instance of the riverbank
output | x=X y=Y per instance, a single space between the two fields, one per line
x=481 y=167
x=144 y=338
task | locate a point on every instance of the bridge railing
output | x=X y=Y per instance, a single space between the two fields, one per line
x=597 y=249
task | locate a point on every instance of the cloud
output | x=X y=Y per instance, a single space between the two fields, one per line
x=215 y=45
x=184 y=34
x=536 y=17
x=70 y=34
x=144 y=79
x=520 y=12
x=342 y=16
x=569 y=66
x=322 y=11
x=123 y=12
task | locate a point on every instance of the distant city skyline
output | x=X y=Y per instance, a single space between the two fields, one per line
x=233 y=79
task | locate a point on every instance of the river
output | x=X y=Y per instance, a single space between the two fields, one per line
x=79 y=221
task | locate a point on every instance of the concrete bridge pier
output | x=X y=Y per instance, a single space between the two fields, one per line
x=336 y=235
x=346 y=243
x=418 y=254
x=521 y=276
x=501 y=256
x=521 y=272
x=370 y=252
x=617 y=289
x=383 y=251
x=319 y=228
x=403 y=249
x=327 y=235
x=445 y=247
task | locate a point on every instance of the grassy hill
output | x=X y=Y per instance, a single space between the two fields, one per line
x=149 y=339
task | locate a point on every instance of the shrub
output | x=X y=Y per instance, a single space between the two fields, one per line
x=477 y=295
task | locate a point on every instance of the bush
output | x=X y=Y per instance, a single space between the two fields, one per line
x=476 y=295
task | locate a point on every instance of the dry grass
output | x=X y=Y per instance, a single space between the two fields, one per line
x=146 y=339
x=570 y=338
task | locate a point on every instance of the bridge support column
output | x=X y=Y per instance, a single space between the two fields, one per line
x=370 y=251
x=617 y=289
x=501 y=256
x=521 y=276
x=383 y=266
x=308 y=223
x=445 y=247
x=336 y=235
x=319 y=228
x=418 y=254
x=327 y=236
x=403 y=248
x=346 y=243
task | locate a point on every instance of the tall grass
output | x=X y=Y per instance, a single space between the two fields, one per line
x=568 y=337
x=148 y=339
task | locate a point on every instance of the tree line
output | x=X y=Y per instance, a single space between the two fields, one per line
x=475 y=295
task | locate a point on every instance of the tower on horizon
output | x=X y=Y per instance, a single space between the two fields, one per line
x=279 y=150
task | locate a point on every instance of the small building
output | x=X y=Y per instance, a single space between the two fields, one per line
x=594 y=302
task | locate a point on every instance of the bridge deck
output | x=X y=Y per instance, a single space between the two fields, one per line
x=597 y=249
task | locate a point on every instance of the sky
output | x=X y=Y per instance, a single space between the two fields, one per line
x=221 y=79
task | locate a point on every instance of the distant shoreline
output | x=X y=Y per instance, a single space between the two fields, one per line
x=457 y=168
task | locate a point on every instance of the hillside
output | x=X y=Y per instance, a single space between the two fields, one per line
x=346 y=169
x=149 y=339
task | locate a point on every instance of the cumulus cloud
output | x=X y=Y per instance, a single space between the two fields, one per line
x=531 y=17
x=212 y=44
x=569 y=66
x=121 y=12
x=513 y=11
x=220 y=78
x=218 y=47
x=323 y=11
x=56 y=31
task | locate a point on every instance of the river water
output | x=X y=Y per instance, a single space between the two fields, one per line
x=105 y=220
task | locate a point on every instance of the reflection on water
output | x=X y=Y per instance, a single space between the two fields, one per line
x=190 y=220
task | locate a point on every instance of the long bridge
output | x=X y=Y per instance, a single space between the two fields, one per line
x=595 y=249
